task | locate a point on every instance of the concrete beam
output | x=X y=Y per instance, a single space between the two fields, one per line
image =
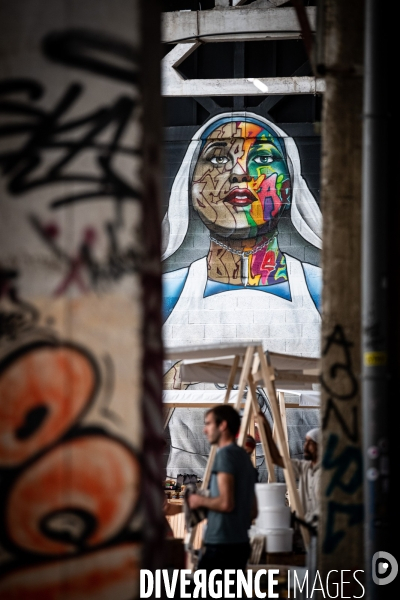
x=234 y=24
x=243 y=87
x=173 y=84
x=258 y=3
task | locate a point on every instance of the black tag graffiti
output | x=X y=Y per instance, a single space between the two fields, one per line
x=346 y=466
x=21 y=315
x=25 y=168
x=45 y=130
x=340 y=369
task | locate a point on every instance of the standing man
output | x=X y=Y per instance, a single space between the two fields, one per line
x=232 y=502
x=306 y=470
x=250 y=446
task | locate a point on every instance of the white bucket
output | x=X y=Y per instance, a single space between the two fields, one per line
x=278 y=540
x=273 y=517
x=270 y=494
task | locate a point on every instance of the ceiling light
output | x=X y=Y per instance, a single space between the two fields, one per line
x=259 y=84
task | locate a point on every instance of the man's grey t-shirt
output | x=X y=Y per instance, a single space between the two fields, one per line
x=232 y=527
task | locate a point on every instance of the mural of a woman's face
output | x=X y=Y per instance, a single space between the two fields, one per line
x=241 y=183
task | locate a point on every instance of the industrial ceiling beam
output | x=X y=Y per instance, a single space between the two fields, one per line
x=233 y=24
x=173 y=84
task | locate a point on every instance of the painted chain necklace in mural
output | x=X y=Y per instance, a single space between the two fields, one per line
x=244 y=254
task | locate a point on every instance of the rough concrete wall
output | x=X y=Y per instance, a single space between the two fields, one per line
x=196 y=315
x=151 y=171
x=74 y=360
x=340 y=537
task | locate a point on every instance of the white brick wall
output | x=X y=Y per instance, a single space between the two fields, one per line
x=311 y=331
x=304 y=347
x=284 y=330
x=253 y=330
x=231 y=316
x=195 y=332
x=219 y=331
x=253 y=303
x=301 y=315
x=204 y=316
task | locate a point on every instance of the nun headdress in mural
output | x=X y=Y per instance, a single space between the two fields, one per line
x=305 y=213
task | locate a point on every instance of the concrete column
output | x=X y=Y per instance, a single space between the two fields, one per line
x=341 y=522
x=80 y=295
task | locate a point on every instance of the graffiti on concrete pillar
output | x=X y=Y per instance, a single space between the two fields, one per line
x=102 y=254
x=74 y=370
x=342 y=458
x=70 y=488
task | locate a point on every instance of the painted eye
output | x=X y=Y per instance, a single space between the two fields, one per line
x=263 y=160
x=219 y=160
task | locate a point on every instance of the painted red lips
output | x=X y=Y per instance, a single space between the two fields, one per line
x=240 y=197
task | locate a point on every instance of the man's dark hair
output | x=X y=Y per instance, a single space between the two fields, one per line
x=227 y=413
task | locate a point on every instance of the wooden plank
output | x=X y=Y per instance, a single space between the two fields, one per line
x=283 y=377
x=246 y=418
x=268 y=376
x=206 y=479
x=264 y=442
x=244 y=423
x=274 y=434
x=252 y=433
x=282 y=410
x=208 y=351
x=169 y=413
x=247 y=363
x=295 y=376
x=292 y=362
x=171 y=404
x=198 y=537
x=206 y=404
x=231 y=379
x=212 y=396
x=177 y=524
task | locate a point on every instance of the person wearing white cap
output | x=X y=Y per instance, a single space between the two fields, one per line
x=306 y=470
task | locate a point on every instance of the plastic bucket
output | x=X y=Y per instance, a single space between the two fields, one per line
x=278 y=540
x=273 y=517
x=270 y=494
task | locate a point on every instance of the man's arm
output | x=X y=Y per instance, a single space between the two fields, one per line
x=225 y=502
x=275 y=454
x=254 y=509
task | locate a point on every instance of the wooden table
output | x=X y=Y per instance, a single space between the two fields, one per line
x=177 y=524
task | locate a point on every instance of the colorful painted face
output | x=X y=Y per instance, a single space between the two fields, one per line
x=241 y=182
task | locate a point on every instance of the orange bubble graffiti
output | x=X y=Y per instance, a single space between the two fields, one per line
x=42 y=392
x=79 y=495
